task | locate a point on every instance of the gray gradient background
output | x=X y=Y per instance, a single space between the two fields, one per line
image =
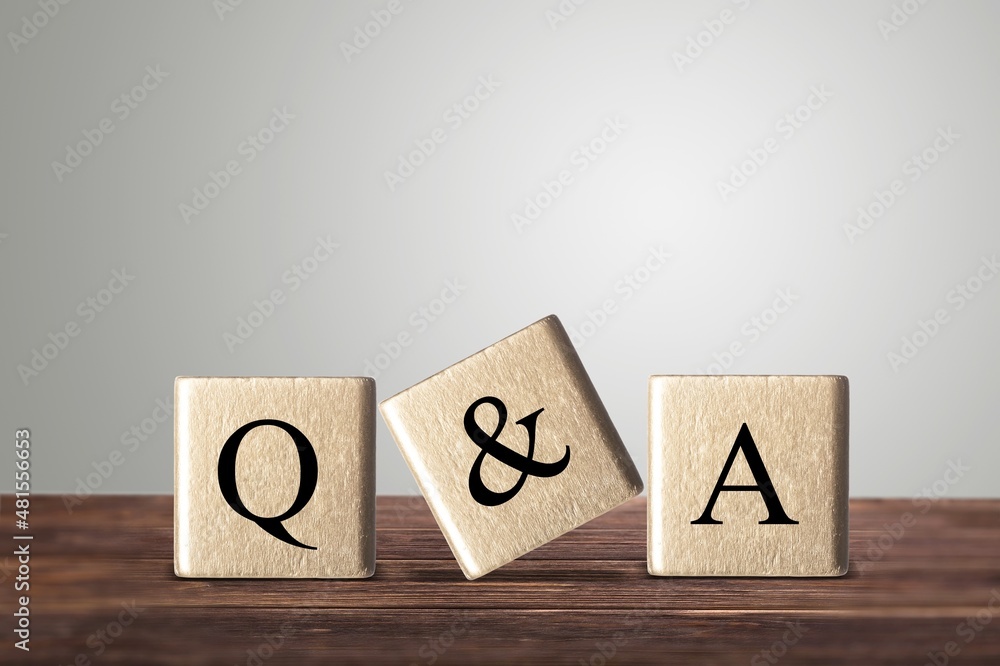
x=656 y=185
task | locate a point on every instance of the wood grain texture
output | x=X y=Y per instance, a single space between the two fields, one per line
x=565 y=602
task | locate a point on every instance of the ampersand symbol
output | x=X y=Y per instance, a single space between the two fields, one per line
x=492 y=447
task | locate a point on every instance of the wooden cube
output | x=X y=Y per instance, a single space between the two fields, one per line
x=748 y=476
x=512 y=447
x=274 y=477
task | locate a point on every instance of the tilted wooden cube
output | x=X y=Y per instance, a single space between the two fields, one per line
x=748 y=476
x=512 y=447
x=274 y=477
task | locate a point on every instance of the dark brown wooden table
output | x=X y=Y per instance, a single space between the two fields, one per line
x=584 y=598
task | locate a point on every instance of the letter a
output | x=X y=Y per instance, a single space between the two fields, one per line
x=775 y=513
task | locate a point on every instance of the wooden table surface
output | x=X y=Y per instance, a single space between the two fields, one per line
x=585 y=598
